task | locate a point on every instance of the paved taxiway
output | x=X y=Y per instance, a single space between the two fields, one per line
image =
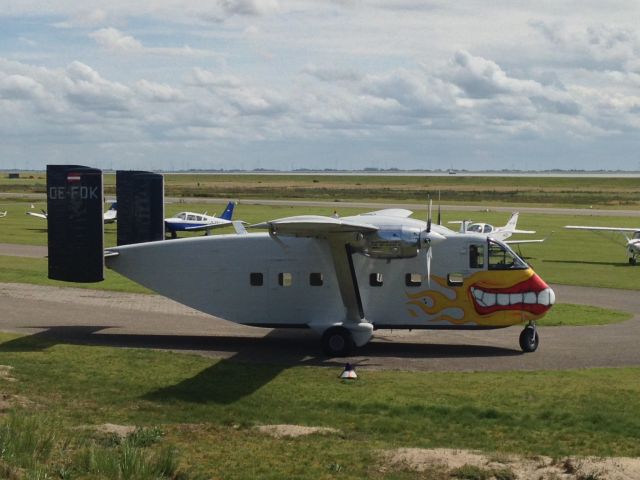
x=73 y=315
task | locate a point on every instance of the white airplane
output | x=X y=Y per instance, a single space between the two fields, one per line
x=343 y=278
x=193 y=222
x=498 y=233
x=110 y=216
x=633 y=241
x=3 y=214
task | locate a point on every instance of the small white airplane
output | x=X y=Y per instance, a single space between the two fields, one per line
x=633 y=241
x=343 y=278
x=3 y=214
x=110 y=216
x=193 y=222
x=498 y=233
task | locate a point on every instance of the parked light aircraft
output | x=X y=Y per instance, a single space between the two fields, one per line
x=3 y=214
x=193 y=222
x=340 y=277
x=498 y=233
x=110 y=216
x=633 y=241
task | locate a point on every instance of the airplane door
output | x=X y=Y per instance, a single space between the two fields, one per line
x=286 y=290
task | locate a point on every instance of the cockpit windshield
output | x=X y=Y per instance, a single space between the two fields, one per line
x=475 y=228
x=501 y=257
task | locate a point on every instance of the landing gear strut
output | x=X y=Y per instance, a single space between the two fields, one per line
x=632 y=260
x=529 y=339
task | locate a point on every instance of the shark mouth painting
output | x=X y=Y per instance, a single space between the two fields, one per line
x=532 y=295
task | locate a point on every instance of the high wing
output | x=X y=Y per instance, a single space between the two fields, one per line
x=604 y=229
x=391 y=212
x=313 y=225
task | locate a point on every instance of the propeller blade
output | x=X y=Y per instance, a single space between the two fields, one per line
x=439 y=210
x=429 y=216
x=429 y=256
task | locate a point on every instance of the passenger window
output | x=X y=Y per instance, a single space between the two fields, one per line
x=413 y=279
x=375 y=279
x=191 y=217
x=256 y=279
x=315 y=279
x=476 y=256
x=285 y=279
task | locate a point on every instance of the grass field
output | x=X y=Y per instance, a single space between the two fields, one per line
x=491 y=190
x=207 y=409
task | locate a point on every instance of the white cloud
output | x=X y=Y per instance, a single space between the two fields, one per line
x=116 y=41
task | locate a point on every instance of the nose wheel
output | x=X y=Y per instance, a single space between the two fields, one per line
x=529 y=339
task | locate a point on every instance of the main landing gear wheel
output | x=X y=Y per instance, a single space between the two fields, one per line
x=529 y=339
x=632 y=261
x=337 y=342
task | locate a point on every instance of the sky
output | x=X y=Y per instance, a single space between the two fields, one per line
x=337 y=84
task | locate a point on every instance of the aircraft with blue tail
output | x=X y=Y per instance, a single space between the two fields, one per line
x=193 y=222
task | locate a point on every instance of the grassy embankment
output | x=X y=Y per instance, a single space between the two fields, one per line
x=549 y=191
x=207 y=410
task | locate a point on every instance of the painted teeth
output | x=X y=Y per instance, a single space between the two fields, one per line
x=487 y=299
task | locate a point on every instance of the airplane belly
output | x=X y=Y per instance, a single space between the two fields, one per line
x=215 y=275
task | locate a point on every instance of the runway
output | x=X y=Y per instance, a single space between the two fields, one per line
x=91 y=317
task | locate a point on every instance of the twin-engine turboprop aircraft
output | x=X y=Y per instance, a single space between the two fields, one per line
x=341 y=277
x=633 y=241
x=193 y=222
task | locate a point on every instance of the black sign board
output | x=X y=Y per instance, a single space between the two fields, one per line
x=75 y=223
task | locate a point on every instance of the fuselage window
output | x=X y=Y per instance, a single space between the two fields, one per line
x=256 y=279
x=375 y=279
x=502 y=257
x=636 y=235
x=285 y=279
x=487 y=229
x=315 y=279
x=413 y=279
x=476 y=256
x=191 y=217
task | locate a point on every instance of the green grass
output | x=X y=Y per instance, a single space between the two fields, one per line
x=206 y=408
x=580 y=315
x=576 y=191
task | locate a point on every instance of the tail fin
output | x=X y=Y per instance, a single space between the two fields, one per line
x=513 y=221
x=141 y=201
x=75 y=237
x=228 y=212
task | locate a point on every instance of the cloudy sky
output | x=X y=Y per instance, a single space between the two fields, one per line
x=175 y=84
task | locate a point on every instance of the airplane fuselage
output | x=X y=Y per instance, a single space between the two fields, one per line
x=286 y=281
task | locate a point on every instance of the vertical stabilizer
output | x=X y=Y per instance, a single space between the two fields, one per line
x=140 y=206
x=75 y=237
x=513 y=221
x=228 y=212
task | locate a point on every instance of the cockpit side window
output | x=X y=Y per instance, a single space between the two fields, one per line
x=476 y=256
x=487 y=229
x=636 y=235
x=182 y=216
x=475 y=227
x=502 y=257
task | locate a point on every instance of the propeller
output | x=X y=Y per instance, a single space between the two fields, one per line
x=429 y=253
x=439 y=210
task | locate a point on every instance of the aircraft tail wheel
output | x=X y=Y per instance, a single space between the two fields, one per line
x=529 y=339
x=337 y=342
